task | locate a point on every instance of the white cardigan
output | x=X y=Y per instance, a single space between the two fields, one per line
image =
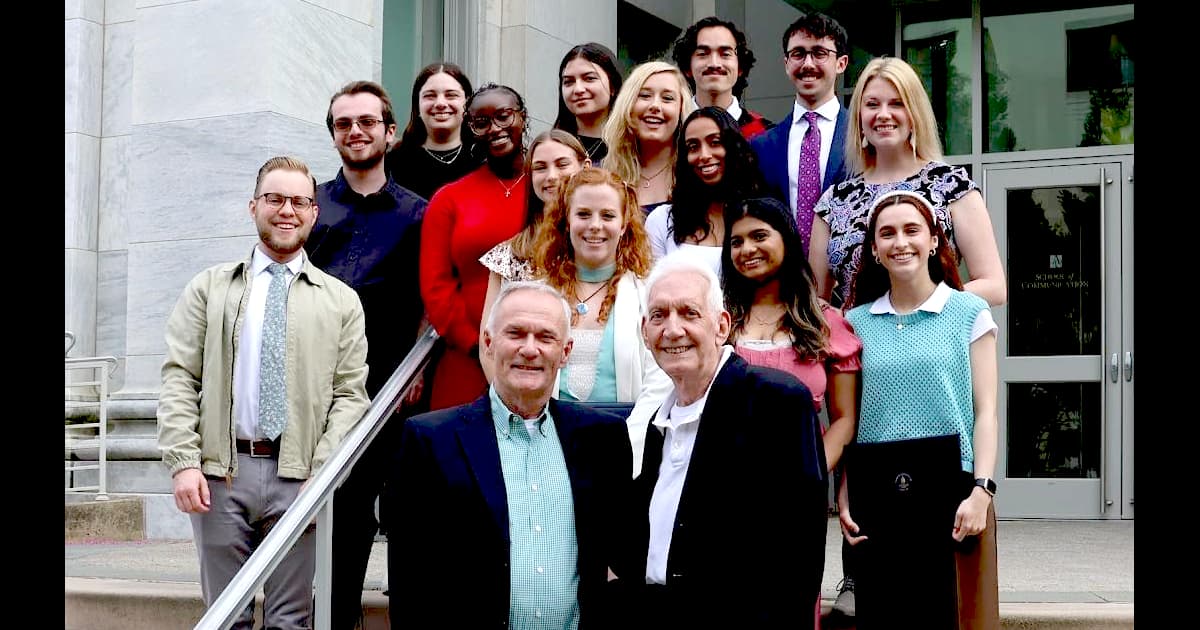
x=639 y=379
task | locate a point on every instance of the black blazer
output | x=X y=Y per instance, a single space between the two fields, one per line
x=748 y=545
x=448 y=538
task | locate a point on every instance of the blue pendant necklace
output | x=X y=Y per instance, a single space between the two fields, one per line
x=584 y=274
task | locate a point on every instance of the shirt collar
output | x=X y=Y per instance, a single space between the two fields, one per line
x=828 y=110
x=933 y=304
x=504 y=419
x=734 y=109
x=661 y=419
x=339 y=187
x=259 y=261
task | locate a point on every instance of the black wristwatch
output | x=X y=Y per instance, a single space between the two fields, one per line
x=988 y=485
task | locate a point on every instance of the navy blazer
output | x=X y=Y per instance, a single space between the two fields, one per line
x=748 y=545
x=448 y=536
x=771 y=148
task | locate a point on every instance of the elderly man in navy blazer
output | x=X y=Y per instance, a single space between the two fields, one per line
x=798 y=160
x=726 y=525
x=506 y=507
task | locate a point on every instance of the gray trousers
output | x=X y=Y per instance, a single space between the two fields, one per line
x=239 y=519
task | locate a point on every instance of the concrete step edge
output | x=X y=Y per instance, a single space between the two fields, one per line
x=1015 y=614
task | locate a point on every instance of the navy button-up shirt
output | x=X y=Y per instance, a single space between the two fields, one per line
x=372 y=243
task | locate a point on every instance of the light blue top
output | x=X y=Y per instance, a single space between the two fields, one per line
x=543 y=550
x=605 y=388
x=916 y=369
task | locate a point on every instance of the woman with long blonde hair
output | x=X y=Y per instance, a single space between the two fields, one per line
x=892 y=144
x=643 y=130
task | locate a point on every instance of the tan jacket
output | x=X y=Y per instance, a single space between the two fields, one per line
x=326 y=371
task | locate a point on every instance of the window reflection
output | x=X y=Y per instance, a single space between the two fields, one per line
x=1053 y=430
x=1078 y=63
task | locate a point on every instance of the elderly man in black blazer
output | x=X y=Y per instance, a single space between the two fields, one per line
x=505 y=508
x=726 y=527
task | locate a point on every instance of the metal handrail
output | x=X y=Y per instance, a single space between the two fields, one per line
x=101 y=425
x=318 y=495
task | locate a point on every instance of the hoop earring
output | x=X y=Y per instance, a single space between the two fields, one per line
x=933 y=253
x=877 y=261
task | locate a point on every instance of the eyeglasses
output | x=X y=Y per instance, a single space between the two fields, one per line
x=502 y=117
x=275 y=201
x=366 y=124
x=819 y=53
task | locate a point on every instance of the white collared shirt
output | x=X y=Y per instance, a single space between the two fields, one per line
x=734 y=109
x=826 y=124
x=984 y=323
x=679 y=425
x=246 y=360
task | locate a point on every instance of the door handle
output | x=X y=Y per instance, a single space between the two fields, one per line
x=1128 y=366
x=1114 y=369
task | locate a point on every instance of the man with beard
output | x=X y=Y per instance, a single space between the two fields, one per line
x=803 y=154
x=716 y=60
x=368 y=236
x=278 y=349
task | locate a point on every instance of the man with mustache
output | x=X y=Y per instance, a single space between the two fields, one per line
x=368 y=236
x=716 y=60
x=510 y=501
x=265 y=375
x=798 y=158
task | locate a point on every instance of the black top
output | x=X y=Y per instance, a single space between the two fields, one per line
x=424 y=172
x=371 y=243
x=595 y=147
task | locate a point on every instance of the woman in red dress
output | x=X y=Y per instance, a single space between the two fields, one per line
x=464 y=220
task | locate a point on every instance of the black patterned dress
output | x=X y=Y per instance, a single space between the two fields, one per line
x=844 y=208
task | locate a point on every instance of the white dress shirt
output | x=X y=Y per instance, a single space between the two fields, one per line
x=734 y=109
x=826 y=124
x=249 y=348
x=679 y=425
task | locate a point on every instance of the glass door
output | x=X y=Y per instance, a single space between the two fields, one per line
x=1065 y=347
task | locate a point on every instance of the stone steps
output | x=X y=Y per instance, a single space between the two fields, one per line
x=112 y=604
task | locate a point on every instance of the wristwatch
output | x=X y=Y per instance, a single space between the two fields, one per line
x=988 y=485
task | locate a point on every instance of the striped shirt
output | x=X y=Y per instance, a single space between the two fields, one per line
x=543 y=552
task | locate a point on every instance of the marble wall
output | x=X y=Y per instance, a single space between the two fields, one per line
x=532 y=36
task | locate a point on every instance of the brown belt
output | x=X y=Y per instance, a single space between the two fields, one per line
x=259 y=448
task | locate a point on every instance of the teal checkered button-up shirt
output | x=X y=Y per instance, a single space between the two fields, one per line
x=543 y=551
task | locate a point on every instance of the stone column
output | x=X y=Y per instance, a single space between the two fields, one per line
x=84 y=57
x=218 y=87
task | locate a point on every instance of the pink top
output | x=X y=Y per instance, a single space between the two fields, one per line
x=845 y=354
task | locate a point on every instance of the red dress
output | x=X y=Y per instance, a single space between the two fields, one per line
x=465 y=219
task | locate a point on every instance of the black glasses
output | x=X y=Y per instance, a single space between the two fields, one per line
x=819 y=53
x=365 y=123
x=502 y=117
x=275 y=201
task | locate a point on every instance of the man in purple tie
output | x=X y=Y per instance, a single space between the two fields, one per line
x=802 y=155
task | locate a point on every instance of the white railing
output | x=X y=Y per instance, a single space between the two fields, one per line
x=99 y=370
x=317 y=500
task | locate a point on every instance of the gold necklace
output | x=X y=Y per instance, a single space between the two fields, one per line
x=767 y=322
x=646 y=179
x=508 y=189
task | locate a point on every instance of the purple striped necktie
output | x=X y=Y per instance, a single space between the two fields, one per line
x=808 y=179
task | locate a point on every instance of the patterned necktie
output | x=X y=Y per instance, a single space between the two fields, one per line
x=272 y=386
x=808 y=180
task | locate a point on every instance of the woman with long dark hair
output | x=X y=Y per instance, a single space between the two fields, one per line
x=589 y=82
x=433 y=151
x=916 y=496
x=717 y=169
x=465 y=219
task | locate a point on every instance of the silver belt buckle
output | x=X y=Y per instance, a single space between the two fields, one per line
x=254 y=448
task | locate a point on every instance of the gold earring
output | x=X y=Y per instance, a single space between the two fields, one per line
x=933 y=253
